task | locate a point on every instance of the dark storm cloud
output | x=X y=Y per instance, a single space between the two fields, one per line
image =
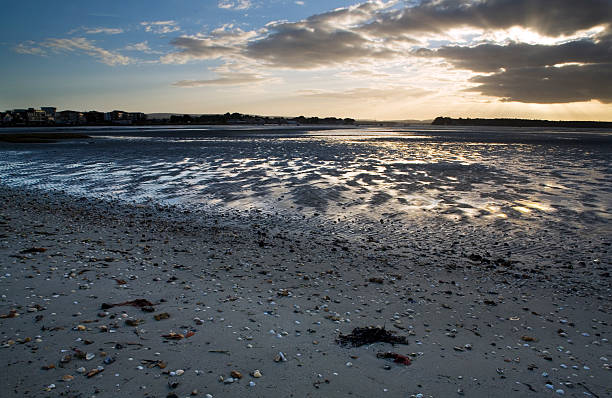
x=547 y=17
x=548 y=85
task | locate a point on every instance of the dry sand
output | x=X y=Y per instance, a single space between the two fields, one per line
x=487 y=312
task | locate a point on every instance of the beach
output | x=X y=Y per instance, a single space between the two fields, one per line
x=118 y=280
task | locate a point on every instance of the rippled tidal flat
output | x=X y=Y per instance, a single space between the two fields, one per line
x=469 y=174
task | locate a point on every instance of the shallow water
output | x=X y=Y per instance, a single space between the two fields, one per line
x=471 y=174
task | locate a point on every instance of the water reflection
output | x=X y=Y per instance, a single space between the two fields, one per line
x=397 y=173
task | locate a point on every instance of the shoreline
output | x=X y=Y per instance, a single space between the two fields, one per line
x=478 y=321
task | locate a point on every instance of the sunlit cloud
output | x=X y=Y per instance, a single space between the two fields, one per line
x=107 y=31
x=383 y=31
x=141 y=47
x=527 y=73
x=160 y=27
x=235 y=4
x=30 y=48
x=74 y=45
x=561 y=17
x=320 y=40
x=510 y=54
x=225 y=79
x=223 y=41
x=391 y=93
x=549 y=85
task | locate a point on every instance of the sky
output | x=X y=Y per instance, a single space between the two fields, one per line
x=384 y=60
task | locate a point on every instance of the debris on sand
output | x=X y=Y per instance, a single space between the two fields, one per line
x=33 y=250
x=11 y=314
x=397 y=358
x=151 y=363
x=163 y=315
x=140 y=303
x=370 y=335
x=178 y=336
x=94 y=372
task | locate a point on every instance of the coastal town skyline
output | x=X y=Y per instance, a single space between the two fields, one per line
x=382 y=60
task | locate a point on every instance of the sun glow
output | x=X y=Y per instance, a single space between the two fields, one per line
x=524 y=35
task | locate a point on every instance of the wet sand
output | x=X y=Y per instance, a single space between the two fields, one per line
x=489 y=309
x=527 y=177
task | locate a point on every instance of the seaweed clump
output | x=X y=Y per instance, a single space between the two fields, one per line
x=370 y=335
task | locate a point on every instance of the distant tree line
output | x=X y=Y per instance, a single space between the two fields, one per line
x=447 y=121
x=239 y=118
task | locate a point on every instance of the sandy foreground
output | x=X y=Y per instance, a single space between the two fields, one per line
x=252 y=305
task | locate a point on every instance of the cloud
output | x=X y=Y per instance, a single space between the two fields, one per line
x=107 y=31
x=549 y=85
x=30 y=48
x=160 y=27
x=579 y=70
x=235 y=4
x=141 y=47
x=75 y=44
x=195 y=48
x=379 y=29
x=224 y=41
x=370 y=94
x=492 y=57
x=547 y=17
x=297 y=47
x=299 y=3
x=226 y=79
x=320 y=40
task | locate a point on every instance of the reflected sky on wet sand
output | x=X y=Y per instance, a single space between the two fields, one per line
x=367 y=173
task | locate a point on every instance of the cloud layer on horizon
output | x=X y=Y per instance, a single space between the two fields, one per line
x=225 y=79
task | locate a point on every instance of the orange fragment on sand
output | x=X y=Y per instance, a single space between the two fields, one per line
x=94 y=372
x=11 y=314
x=173 y=336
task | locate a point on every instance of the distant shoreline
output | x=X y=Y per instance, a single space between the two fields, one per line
x=40 y=138
x=447 y=121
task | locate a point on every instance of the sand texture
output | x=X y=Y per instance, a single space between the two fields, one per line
x=249 y=304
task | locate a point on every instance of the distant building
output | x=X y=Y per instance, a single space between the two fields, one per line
x=94 y=117
x=122 y=117
x=50 y=111
x=36 y=116
x=6 y=117
x=137 y=116
x=70 y=118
